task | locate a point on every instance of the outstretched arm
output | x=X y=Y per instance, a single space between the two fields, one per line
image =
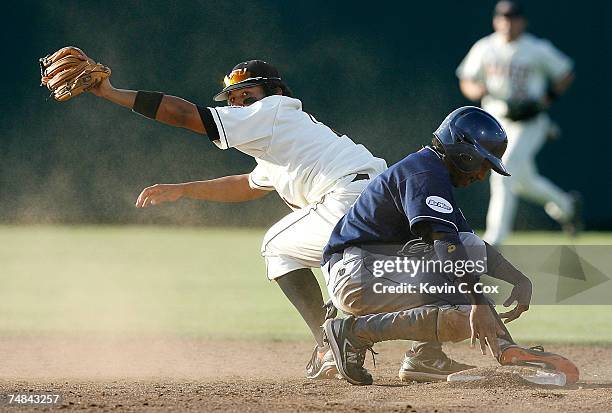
x=483 y=324
x=234 y=188
x=172 y=110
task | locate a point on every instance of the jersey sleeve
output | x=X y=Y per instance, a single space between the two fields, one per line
x=231 y=126
x=462 y=224
x=472 y=65
x=428 y=198
x=555 y=63
x=258 y=179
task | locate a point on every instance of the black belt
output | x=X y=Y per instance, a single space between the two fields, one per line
x=360 y=177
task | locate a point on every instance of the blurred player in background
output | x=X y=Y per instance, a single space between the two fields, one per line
x=317 y=172
x=518 y=76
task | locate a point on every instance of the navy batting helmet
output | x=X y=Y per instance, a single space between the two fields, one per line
x=470 y=136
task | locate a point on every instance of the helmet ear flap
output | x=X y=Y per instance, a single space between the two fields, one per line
x=465 y=157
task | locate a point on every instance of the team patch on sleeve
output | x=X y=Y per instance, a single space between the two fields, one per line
x=439 y=204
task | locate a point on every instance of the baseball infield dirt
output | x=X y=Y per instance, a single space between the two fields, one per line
x=155 y=374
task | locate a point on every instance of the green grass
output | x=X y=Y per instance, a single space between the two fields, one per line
x=192 y=282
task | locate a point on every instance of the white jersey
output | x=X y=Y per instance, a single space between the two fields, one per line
x=513 y=71
x=299 y=157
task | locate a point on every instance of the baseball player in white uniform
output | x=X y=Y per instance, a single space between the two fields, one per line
x=518 y=76
x=317 y=172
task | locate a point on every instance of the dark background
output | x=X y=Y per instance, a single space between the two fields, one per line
x=383 y=73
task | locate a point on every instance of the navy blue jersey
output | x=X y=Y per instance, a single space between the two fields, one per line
x=417 y=188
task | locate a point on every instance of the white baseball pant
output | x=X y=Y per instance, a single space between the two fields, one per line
x=298 y=239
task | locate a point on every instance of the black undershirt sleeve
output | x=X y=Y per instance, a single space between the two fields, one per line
x=500 y=268
x=209 y=123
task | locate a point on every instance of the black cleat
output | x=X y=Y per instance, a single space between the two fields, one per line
x=420 y=368
x=349 y=356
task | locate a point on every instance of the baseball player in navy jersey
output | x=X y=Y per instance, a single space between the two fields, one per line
x=316 y=172
x=518 y=76
x=409 y=211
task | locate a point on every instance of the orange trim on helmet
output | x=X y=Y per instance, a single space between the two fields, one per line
x=236 y=76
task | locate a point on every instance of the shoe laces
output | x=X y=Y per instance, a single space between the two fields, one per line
x=439 y=361
x=314 y=360
x=357 y=356
x=330 y=310
x=371 y=350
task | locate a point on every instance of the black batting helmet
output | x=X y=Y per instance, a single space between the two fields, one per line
x=470 y=136
x=251 y=73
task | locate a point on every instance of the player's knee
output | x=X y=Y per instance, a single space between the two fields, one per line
x=351 y=302
x=453 y=323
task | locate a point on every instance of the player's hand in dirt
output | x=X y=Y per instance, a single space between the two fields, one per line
x=158 y=194
x=521 y=294
x=486 y=328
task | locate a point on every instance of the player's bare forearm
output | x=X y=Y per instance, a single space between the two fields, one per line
x=173 y=111
x=472 y=89
x=122 y=97
x=234 y=188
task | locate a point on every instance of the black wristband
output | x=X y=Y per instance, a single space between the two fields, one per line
x=147 y=103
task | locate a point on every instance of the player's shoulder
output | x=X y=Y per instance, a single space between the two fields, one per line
x=425 y=162
x=269 y=106
x=533 y=39
x=285 y=101
x=536 y=42
x=485 y=42
x=268 y=102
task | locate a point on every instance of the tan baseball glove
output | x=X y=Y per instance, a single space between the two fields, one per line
x=69 y=72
